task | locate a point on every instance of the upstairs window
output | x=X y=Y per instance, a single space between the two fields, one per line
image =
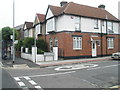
x=26 y=33
x=50 y=25
x=110 y=43
x=77 y=42
x=77 y=23
x=110 y=27
x=37 y=28
x=95 y=23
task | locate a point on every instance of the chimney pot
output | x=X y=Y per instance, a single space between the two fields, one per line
x=101 y=6
x=63 y=3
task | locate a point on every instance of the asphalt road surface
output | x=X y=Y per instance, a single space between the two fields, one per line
x=100 y=74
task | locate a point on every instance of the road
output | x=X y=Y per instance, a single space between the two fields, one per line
x=103 y=74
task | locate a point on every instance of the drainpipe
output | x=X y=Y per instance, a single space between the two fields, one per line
x=106 y=35
x=101 y=39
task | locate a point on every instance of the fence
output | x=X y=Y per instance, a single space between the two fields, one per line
x=47 y=56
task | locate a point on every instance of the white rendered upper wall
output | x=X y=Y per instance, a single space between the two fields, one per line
x=67 y=23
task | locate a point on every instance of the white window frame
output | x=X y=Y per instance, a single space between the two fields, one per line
x=110 y=27
x=77 y=43
x=26 y=33
x=50 y=25
x=110 y=43
x=77 y=23
x=96 y=23
x=37 y=28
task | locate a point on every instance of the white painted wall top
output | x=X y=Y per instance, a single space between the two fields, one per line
x=49 y=13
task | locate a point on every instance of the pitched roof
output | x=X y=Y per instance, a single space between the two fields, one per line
x=82 y=10
x=19 y=27
x=29 y=25
x=40 y=17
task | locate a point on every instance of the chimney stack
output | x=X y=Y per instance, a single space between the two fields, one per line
x=101 y=6
x=63 y=3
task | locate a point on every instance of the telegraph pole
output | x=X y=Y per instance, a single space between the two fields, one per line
x=13 y=32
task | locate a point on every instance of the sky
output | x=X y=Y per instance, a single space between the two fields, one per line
x=25 y=10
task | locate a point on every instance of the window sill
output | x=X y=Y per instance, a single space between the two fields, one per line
x=77 y=49
x=110 y=48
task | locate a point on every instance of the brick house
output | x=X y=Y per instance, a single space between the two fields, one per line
x=39 y=25
x=28 y=29
x=19 y=28
x=81 y=31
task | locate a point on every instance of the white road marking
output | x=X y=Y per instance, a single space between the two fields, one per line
x=75 y=67
x=32 y=82
x=17 y=78
x=27 y=78
x=53 y=74
x=21 y=84
x=38 y=87
x=103 y=67
x=90 y=83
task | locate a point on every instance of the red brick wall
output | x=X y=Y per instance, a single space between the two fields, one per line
x=65 y=44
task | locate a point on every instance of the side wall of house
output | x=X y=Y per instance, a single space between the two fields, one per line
x=65 y=44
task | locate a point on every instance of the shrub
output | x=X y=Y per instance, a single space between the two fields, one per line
x=19 y=45
x=28 y=42
x=39 y=51
x=41 y=45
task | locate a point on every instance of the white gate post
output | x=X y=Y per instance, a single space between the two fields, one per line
x=21 y=49
x=55 y=51
x=26 y=50
x=34 y=54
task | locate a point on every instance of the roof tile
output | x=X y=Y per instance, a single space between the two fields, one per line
x=82 y=10
x=29 y=25
x=41 y=17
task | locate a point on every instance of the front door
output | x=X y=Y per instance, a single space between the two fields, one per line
x=94 y=49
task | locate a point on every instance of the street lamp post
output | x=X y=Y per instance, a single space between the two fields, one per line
x=13 y=32
x=35 y=44
x=106 y=34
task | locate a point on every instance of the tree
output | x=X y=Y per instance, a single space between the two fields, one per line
x=6 y=38
x=7 y=32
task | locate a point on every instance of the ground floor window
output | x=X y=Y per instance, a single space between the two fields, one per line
x=110 y=43
x=77 y=42
x=56 y=42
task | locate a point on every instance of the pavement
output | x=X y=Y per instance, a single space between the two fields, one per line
x=23 y=63
x=72 y=61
